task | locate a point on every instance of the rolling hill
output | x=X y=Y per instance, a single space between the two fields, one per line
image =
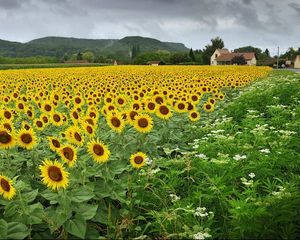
x=58 y=46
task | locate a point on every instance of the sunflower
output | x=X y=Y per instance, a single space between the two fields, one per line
x=115 y=122
x=54 y=175
x=56 y=119
x=143 y=123
x=194 y=116
x=47 y=107
x=88 y=129
x=6 y=187
x=7 y=139
x=150 y=106
x=27 y=138
x=74 y=135
x=138 y=159
x=44 y=118
x=180 y=107
x=39 y=124
x=208 y=107
x=7 y=124
x=120 y=101
x=98 y=151
x=54 y=143
x=163 y=112
x=7 y=114
x=69 y=154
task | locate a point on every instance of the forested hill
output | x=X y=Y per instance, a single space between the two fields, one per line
x=59 y=46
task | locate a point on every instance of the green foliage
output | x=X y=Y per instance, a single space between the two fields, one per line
x=216 y=43
x=239 y=60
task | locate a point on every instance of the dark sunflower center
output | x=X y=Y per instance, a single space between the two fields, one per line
x=5 y=185
x=29 y=113
x=26 y=138
x=92 y=115
x=89 y=129
x=77 y=100
x=7 y=114
x=194 y=115
x=39 y=123
x=143 y=122
x=115 y=122
x=159 y=100
x=136 y=106
x=181 y=106
x=194 y=98
x=20 y=106
x=90 y=121
x=132 y=115
x=75 y=115
x=98 y=150
x=151 y=106
x=4 y=137
x=55 y=143
x=55 y=174
x=77 y=137
x=48 y=107
x=138 y=159
x=45 y=119
x=56 y=118
x=68 y=153
x=208 y=106
x=120 y=101
x=7 y=126
x=164 y=110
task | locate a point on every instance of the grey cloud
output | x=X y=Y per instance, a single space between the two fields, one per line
x=193 y=22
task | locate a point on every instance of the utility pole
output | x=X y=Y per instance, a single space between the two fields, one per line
x=277 y=56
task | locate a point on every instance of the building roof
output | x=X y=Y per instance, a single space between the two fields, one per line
x=297 y=58
x=223 y=50
x=230 y=56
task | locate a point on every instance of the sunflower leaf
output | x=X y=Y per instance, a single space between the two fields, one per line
x=77 y=226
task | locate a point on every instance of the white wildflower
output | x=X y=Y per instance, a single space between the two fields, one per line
x=201 y=235
x=266 y=150
x=201 y=155
x=251 y=175
x=238 y=157
x=174 y=198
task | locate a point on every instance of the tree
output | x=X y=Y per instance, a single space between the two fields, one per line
x=179 y=57
x=192 y=55
x=89 y=56
x=216 y=43
x=79 y=56
x=257 y=51
x=267 y=52
x=239 y=60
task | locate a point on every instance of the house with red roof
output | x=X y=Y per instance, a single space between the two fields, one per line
x=297 y=62
x=224 y=57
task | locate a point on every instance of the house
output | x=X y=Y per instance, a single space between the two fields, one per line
x=224 y=57
x=115 y=63
x=297 y=62
x=155 y=63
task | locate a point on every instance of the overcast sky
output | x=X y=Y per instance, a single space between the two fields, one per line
x=260 y=23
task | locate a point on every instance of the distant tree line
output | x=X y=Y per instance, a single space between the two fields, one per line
x=135 y=55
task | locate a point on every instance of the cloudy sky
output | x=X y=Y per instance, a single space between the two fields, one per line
x=260 y=23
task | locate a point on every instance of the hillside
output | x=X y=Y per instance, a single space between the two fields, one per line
x=58 y=46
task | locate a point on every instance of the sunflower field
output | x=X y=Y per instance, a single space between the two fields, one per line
x=142 y=152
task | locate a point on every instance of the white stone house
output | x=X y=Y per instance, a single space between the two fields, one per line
x=224 y=57
x=297 y=62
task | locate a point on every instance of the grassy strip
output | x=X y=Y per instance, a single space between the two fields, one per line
x=50 y=65
x=240 y=176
